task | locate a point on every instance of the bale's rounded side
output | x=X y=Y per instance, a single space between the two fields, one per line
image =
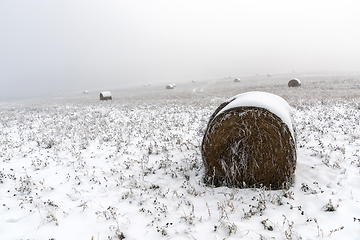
x=248 y=146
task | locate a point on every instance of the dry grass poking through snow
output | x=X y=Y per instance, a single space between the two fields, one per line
x=74 y=169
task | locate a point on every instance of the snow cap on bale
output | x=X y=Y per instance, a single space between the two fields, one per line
x=269 y=101
x=250 y=141
x=105 y=96
x=294 y=83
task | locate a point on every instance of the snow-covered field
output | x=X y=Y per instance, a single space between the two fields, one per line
x=78 y=168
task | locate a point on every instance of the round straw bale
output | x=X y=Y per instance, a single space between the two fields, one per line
x=105 y=96
x=294 y=83
x=250 y=143
x=237 y=80
x=170 y=86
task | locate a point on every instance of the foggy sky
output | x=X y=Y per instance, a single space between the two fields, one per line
x=56 y=46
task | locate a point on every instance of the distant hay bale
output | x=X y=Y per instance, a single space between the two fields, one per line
x=237 y=80
x=193 y=81
x=269 y=75
x=105 y=96
x=246 y=144
x=86 y=92
x=294 y=83
x=170 y=86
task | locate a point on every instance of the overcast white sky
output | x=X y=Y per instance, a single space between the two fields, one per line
x=64 y=45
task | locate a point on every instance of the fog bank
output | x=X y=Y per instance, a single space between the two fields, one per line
x=57 y=46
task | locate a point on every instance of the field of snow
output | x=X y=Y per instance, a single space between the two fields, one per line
x=76 y=167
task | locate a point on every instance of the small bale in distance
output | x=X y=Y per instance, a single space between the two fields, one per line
x=250 y=141
x=170 y=86
x=86 y=92
x=269 y=75
x=237 y=80
x=294 y=83
x=105 y=96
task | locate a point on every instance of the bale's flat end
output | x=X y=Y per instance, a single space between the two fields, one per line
x=246 y=147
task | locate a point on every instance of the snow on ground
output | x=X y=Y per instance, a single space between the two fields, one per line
x=131 y=168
